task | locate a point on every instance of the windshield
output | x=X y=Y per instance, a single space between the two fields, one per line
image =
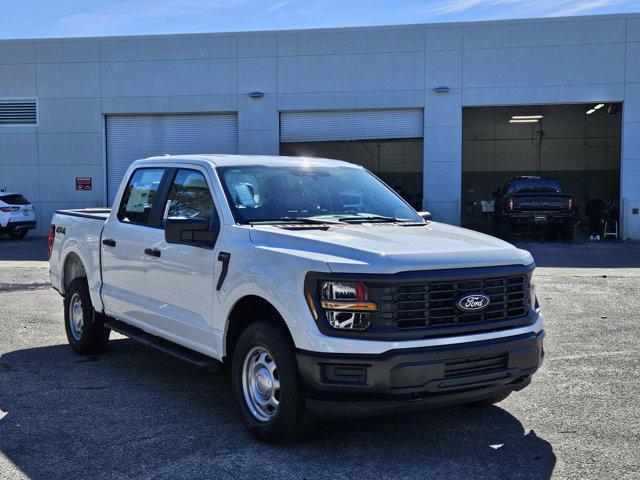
x=263 y=193
x=534 y=185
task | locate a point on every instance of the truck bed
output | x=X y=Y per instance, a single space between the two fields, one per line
x=94 y=213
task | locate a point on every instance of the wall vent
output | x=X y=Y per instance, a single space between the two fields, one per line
x=18 y=112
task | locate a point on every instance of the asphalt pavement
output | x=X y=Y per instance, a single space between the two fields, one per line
x=135 y=413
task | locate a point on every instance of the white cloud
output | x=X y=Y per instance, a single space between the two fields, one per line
x=519 y=8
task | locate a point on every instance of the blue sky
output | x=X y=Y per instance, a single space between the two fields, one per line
x=72 y=18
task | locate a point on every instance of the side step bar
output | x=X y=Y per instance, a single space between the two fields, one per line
x=177 y=351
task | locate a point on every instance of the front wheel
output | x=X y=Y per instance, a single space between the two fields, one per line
x=266 y=385
x=18 y=234
x=86 y=332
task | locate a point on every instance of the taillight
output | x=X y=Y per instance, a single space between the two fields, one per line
x=571 y=204
x=510 y=203
x=50 y=238
x=9 y=209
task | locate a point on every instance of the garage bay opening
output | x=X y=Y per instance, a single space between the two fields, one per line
x=568 y=156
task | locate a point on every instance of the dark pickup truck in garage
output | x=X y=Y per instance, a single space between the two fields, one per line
x=534 y=201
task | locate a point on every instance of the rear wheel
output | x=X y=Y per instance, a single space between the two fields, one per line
x=18 y=234
x=85 y=329
x=266 y=385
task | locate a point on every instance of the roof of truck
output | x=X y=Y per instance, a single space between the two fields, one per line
x=218 y=160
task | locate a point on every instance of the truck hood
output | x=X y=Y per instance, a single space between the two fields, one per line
x=390 y=248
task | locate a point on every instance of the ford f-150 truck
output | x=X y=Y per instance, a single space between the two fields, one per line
x=324 y=292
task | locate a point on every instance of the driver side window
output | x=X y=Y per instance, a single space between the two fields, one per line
x=189 y=197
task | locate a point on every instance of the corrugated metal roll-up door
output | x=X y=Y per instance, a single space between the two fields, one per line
x=319 y=126
x=132 y=137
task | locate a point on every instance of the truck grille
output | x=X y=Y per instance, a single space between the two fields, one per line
x=431 y=305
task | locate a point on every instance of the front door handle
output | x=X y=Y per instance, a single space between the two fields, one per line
x=109 y=242
x=154 y=252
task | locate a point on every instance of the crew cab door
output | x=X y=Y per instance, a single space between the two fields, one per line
x=124 y=239
x=179 y=278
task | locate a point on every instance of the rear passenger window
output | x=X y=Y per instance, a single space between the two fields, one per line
x=189 y=197
x=138 y=197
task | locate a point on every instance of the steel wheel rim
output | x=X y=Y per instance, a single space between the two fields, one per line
x=76 y=316
x=261 y=383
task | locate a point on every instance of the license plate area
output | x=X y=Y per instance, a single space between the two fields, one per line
x=540 y=218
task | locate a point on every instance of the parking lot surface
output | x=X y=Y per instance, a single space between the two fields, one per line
x=134 y=413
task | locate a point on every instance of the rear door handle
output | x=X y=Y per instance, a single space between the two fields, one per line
x=154 y=252
x=109 y=242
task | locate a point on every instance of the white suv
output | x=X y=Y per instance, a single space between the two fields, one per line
x=17 y=216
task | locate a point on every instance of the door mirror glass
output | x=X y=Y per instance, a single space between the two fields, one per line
x=190 y=231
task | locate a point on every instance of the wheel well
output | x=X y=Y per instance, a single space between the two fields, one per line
x=246 y=311
x=73 y=268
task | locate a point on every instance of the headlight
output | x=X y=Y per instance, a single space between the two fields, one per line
x=344 y=304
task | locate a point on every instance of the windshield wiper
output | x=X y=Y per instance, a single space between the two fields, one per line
x=370 y=218
x=309 y=220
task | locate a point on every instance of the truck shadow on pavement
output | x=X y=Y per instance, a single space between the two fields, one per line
x=133 y=412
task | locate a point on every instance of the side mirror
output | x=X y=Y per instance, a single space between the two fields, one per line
x=190 y=231
x=426 y=216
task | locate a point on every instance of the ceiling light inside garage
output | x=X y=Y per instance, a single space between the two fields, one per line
x=523 y=120
x=599 y=106
x=527 y=117
x=589 y=112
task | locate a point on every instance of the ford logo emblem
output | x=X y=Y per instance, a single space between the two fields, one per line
x=473 y=302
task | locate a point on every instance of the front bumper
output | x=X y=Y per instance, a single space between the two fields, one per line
x=412 y=379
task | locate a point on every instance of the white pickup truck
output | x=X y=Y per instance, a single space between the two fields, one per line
x=324 y=292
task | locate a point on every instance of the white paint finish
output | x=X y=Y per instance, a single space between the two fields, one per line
x=442 y=181
x=257 y=45
x=57 y=183
x=69 y=148
x=68 y=80
x=18 y=80
x=20 y=178
x=383 y=71
x=540 y=95
x=76 y=51
x=443 y=68
x=259 y=142
x=171 y=104
x=17 y=149
x=443 y=109
x=66 y=115
x=168 y=48
x=15 y=52
x=350 y=125
x=443 y=38
x=633 y=63
x=544 y=33
x=355 y=41
x=257 y=74
x=257 y=113
x=169 y=77
x=443 y=144
x=351 y=100
x=554 y=65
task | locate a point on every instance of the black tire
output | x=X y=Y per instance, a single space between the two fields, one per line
x=92 y=336
x=18 y=234
x=487 y=402
x=566 y=233
x=289 y=421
